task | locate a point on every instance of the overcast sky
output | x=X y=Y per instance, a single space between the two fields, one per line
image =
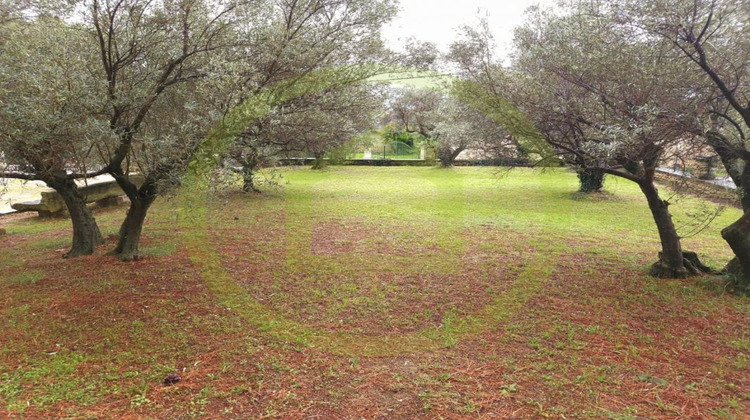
x=438 y=20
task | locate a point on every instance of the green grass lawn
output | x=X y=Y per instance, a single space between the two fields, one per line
x=364 y=292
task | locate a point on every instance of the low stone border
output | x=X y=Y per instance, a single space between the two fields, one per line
x=700 y=188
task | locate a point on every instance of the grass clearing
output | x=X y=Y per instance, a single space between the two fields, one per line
x=367 y=292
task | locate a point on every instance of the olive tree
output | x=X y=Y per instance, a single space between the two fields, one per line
x=153 y=57
x=451 y=126
x=314 y=124
x=712 y=37
x=461 y=128
x=157 y=55
x=415 y=110
x=48 y=121
x=610 y=102
x=471 y=56
x=306 y=36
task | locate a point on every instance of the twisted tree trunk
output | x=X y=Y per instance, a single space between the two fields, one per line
x=671 y=261
x=131 y=228
x=737 y=236
x=248 y=181
x=86 y=233
x=447 y=156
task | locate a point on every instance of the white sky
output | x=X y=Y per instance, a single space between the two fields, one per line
x=438 y=20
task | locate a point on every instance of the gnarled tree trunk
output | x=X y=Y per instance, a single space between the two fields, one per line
x=737 y=236
x=671 y=261
x=248 y=181
x=130 y=231
x=131 y=228
x=86 y=233
x=447 y=156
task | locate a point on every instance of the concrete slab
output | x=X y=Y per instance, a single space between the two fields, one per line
x=14 y=191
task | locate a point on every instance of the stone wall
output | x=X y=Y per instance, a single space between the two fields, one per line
x=703 y=189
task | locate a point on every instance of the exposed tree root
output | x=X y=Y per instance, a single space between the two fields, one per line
x=691 y=266
x=694 y=264
x=739 y=281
